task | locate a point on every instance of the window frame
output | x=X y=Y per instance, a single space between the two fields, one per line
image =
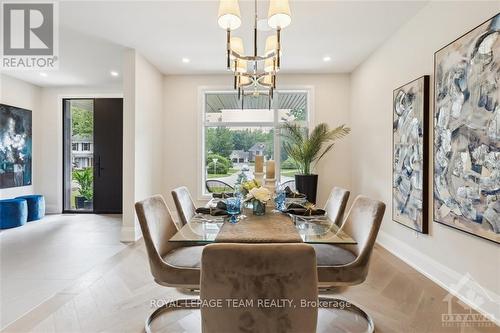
x=202 y=124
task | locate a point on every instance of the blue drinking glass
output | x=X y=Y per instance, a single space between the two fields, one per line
x=279 y=200
x=233 y=208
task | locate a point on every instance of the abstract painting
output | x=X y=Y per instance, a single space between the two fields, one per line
x=15 y=146
x=467 y=132
x=410 y=152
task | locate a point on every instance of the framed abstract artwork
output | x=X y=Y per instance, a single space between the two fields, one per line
x=467 y=132
x=15 y=146
x=410 y=139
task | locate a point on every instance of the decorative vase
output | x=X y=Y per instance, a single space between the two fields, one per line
x=259 y=208
x=79 y=202
x=87 y=204
x=308 y=185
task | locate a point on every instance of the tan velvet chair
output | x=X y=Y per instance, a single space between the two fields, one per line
x=246 y=274
x=253 y=272
x=171 y=264
x=346 y=265
x=184 y=205
x=336 y=204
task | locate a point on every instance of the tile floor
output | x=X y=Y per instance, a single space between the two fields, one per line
x=43 y=257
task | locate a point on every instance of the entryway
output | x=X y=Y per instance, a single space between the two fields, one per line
x=92 y=155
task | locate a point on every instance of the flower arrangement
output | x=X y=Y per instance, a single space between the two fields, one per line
x=257 y=194
x=261 y=194
x=248 y=185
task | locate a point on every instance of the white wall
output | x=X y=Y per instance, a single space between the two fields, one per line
x=182 y=128
x=46 y=104
x=445 y=254
x=143 y=145
x=21 y=94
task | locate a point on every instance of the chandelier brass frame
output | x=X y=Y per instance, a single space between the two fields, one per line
x=259 y=77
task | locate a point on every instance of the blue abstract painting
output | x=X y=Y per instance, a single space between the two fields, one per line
x=410 y=153
x=15 y=146
x=467 y=132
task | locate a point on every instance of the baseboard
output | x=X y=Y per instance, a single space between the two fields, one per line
x=53 y=209
x=443 y=276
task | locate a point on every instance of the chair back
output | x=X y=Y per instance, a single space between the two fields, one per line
x=218 y=186
x=289 y=183
x=253 y=275
x=363 y=223
x=335 y=206
x=184 y=204
x=157 y=228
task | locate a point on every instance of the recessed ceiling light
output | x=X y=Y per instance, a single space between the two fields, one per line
x=186 y=60
x=327 y=58
x=113 y=73
x=43 y=74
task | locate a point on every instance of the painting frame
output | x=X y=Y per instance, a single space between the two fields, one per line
x=424 y=112
x=467 y=34
x=19 y=171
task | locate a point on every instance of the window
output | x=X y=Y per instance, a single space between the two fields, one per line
x=234 y=132
x=78 y=131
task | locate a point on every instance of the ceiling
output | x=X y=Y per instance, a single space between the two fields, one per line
x=93 y=35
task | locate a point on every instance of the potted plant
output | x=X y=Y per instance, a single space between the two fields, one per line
x=307 y=149
x=85 y=179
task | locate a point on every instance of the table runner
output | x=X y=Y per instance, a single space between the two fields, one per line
x=269 y=228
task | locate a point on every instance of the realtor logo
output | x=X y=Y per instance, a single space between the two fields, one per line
x=29 y=35
x=461 y=313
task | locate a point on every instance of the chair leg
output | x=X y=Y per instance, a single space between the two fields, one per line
x=192 y=303
x=329 y=303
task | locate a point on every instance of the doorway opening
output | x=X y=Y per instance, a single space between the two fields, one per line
x=92 y=155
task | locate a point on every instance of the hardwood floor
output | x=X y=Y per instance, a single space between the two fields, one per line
x=116 y=296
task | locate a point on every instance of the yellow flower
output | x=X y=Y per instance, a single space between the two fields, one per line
x=250 y=184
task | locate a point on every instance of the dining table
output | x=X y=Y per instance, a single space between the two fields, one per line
x=273 y=227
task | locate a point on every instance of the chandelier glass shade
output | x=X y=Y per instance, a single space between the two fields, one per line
x=263 y=67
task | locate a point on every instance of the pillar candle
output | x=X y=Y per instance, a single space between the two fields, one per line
x=270 y=172
x=259 y=163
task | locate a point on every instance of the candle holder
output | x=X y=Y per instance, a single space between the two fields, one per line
x=259 y=177
x=270 y=184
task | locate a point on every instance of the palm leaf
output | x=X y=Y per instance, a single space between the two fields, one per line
x=306 y=149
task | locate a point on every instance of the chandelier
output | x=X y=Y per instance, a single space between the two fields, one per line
x=264 y=67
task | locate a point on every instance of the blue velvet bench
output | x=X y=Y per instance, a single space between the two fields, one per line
x=36 y=206
x=13 y=213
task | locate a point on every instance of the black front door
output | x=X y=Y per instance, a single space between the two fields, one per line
x=108 y=155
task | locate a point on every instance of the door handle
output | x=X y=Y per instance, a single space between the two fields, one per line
x=98 y=166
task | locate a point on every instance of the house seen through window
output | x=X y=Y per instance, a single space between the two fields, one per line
x=236 y=131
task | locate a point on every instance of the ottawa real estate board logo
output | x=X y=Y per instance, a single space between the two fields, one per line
x=29 y=36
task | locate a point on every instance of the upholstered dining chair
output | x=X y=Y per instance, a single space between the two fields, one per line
x=336 y=204
x=345 y=265
x=171 y=265
x=250 y=273
x=184 y=204
x=239 y=276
